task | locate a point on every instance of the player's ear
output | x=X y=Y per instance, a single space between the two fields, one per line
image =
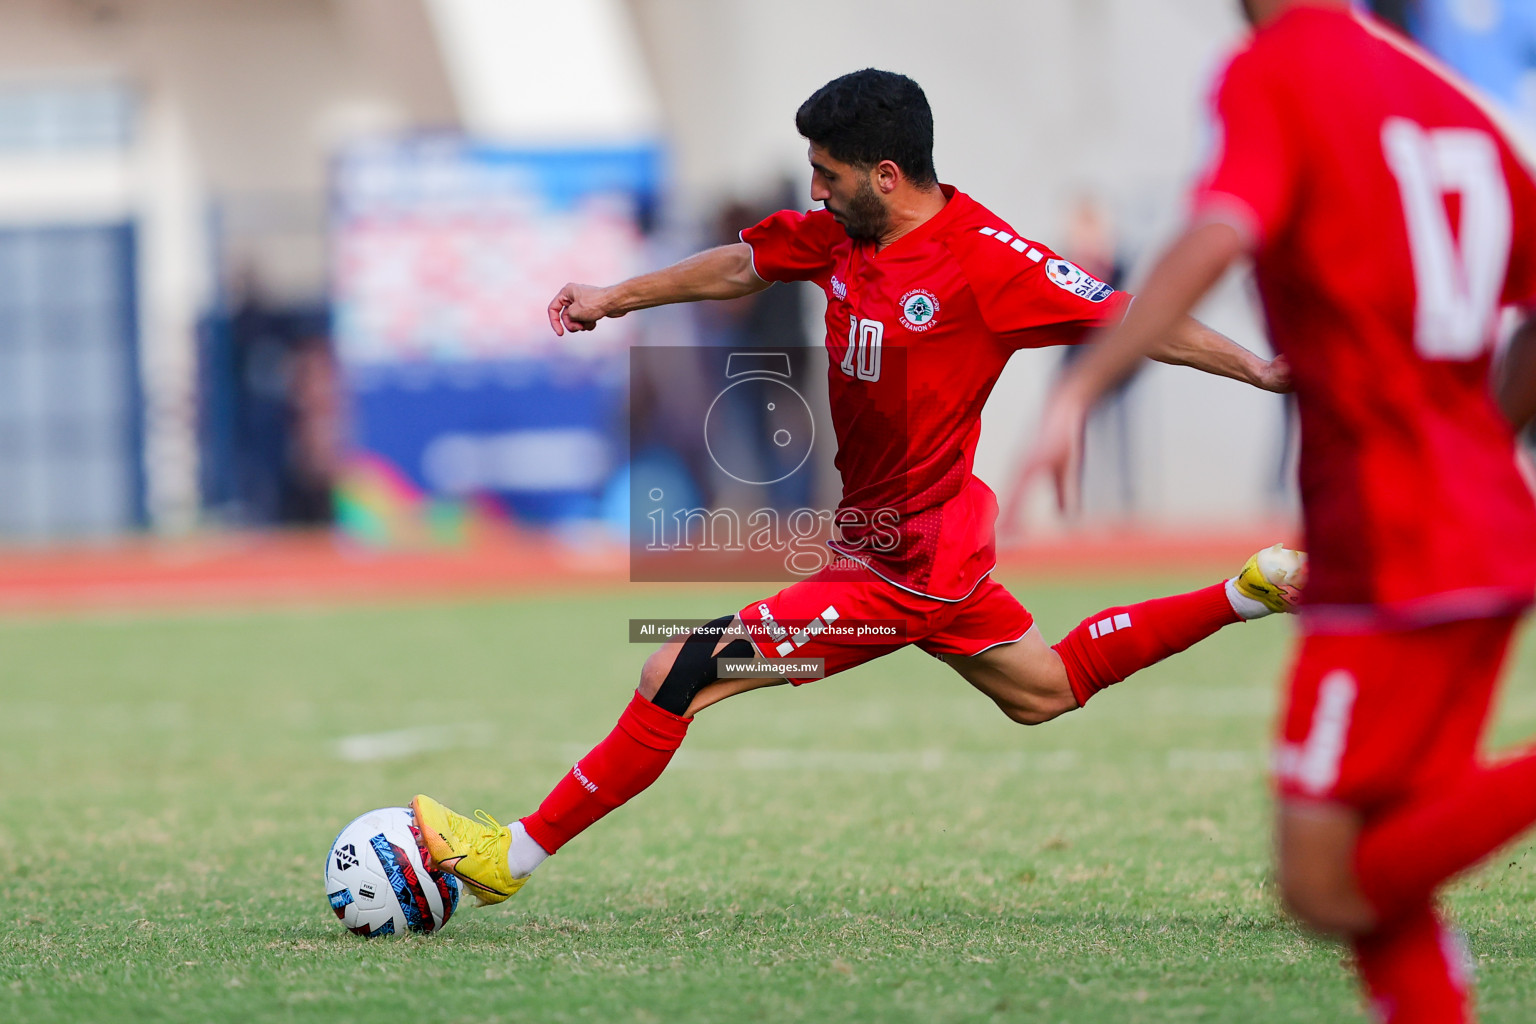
x=887 y=177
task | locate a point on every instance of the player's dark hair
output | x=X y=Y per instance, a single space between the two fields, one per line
x=868 y=116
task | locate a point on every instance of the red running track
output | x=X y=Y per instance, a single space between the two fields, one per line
x=248 y=569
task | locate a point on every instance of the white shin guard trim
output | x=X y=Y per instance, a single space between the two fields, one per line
x=1245 y=606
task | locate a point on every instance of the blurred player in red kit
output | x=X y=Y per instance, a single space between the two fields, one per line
x=928 y=294
x=1390 y=222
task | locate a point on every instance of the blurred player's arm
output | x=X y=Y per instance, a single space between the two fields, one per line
x=1516 y=382
x=724 y=272
x=1191 y=343
x=1190 y=267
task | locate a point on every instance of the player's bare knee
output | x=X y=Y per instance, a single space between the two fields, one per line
x=655 y=669
x=675 y=674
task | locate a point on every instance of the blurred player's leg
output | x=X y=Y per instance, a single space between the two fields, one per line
x=1415 y=972
x=1315 y=841
x=1355 y=734
x=1405 y=856
x=1410 y=965
x=1382 y=799
x=1409 y=848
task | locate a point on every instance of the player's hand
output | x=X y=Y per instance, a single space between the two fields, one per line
x=578 y=307
x=1056 y=454
x=1275 y=376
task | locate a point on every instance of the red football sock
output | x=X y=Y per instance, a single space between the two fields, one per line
x=1403 y=856
x=1414 y=971
x=617 y=769
x=1105 y=648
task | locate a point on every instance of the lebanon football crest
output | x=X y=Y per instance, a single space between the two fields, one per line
x=919 y=309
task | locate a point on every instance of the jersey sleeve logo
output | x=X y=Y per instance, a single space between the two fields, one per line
x=919 y=309
x=1070 y=277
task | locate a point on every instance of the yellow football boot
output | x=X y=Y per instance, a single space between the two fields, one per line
x=474 y=850
x=1274 y=578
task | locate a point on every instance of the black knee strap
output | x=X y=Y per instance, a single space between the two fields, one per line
x=695 y=666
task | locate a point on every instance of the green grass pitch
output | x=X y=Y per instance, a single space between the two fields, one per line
x=881 y=846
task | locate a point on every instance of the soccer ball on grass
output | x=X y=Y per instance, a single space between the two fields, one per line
x=378 y=883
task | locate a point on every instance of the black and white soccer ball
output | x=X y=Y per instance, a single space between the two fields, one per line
x=378 y=883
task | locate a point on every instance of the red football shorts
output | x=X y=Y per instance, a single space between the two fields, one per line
x=1370 y=718
x=846 y=615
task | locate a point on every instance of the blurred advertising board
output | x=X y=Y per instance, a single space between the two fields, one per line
x=463 y=402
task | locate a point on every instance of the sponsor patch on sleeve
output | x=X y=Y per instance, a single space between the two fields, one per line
x=1070 y=277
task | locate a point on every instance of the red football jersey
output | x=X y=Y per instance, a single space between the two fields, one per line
x=1391 y=220
x=918 y=333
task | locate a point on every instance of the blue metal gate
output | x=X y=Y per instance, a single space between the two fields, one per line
x=70 y=409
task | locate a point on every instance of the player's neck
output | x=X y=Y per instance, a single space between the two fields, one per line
x=915 y=208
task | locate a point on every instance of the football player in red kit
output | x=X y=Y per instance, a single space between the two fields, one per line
x=923 y=280
x=1390 y=221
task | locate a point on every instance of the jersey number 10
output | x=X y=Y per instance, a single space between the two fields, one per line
x=862 y=360
x=1458 y=281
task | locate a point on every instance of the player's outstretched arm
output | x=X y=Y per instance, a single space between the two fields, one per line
x=1191 y=343
x=1184 y=273
x=724 y=272
x=1516 y=384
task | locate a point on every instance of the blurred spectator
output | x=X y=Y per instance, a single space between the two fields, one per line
x=1090 y=243
x=272 y=436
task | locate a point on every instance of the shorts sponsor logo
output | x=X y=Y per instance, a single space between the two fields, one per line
x=776 y=632
x=1070 y=277
x=919 y=309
